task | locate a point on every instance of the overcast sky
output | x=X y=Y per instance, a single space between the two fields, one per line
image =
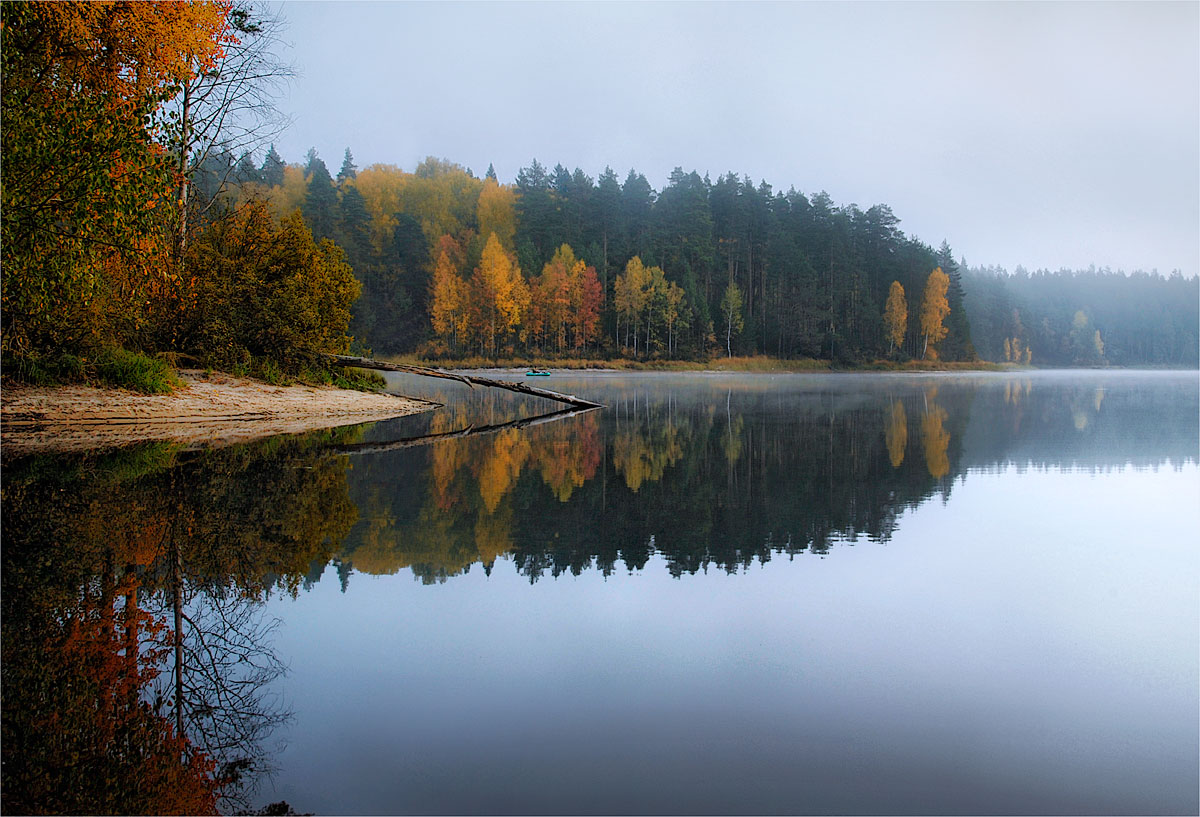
x=1046 y=135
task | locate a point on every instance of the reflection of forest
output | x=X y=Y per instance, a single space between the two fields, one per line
x=137 y=666
x=730 y=471
x=702 y=481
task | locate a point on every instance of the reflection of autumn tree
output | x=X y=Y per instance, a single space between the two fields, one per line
x=896 y=433
x=644 y=448
x=642 y=457
x=501 y=466
x=567 y=456
x=206 y=535
x=228 y=707
x=79 y=734
x=493 y=535
x=731 y=440
x=462 y=513
x=934 y=436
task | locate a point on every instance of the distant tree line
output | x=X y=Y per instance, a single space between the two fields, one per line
x=1088 y=317
x=699 y=268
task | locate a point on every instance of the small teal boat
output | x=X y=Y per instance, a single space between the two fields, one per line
x=536 y=373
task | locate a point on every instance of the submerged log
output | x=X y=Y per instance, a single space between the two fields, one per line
x=469 y=431
x=470 y=380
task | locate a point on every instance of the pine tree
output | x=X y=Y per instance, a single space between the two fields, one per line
x=320 y=202
x=272 y=169
x=349 y=170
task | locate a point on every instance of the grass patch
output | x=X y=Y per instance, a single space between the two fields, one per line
x=132 y=370
x=358 y=379
x=115 y=368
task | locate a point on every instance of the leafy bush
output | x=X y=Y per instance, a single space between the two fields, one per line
x=267 y=291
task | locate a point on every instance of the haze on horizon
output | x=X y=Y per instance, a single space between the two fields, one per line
x=1041 y=135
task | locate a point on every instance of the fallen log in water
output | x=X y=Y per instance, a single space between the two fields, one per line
x=470 y=380
x=469 y=431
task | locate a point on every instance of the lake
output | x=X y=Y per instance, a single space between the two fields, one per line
x=720 y=594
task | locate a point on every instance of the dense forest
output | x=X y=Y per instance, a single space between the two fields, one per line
x=604 y=267
x=562 y=264
x=137 y=216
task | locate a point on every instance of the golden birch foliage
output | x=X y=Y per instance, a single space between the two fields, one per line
x=635 y=289
x=895 y=315
x=550 y=309
x=289 y=197
x=442 y=196
x=934 y=309
x=896 y=434
x=496 y=212
x=448 y=296
x=673 y=308
x=499 y=295
x=380 y=186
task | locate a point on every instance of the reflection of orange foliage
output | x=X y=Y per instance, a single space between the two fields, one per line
x=90 y=742
x=446 y=460
x=569 y=455
x=502 y=466
x=935 y=439
x=896 y=434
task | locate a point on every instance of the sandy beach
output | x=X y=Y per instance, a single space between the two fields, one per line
x=209 y=410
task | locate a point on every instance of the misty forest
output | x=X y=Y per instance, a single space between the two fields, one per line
x=137 y=218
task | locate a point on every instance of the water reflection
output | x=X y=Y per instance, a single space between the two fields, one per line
x=137 y=666
x=139 y=672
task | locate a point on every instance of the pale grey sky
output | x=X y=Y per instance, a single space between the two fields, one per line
x=1041 y=134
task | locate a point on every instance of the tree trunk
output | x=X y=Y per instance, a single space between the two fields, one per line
x=184 y=152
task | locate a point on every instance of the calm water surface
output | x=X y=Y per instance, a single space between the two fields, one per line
x=720 y=594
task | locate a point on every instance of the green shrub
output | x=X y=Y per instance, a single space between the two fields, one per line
x=267 y=291
x=135 y=371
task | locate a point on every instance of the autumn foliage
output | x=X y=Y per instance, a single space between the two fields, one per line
x=267 y=290
x=89 y=211
x=934 y=309
x=86 y=178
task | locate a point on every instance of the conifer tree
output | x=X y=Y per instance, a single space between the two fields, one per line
x=349 y=170
x=272 y=169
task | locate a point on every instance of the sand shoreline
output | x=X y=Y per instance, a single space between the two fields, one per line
x=209 y=410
